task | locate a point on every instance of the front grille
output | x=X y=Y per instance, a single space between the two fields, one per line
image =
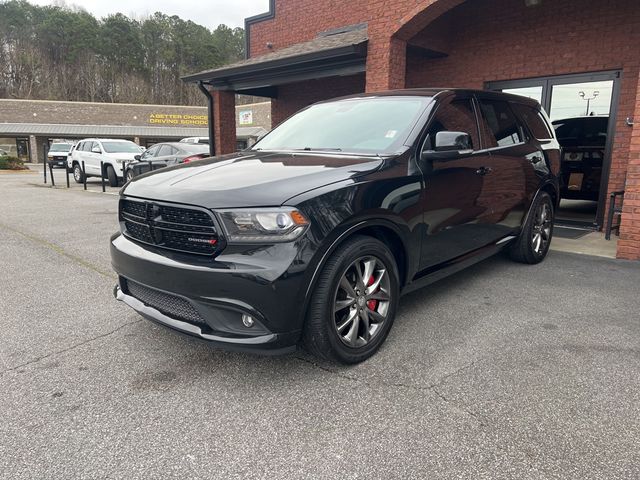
x=175 y=228
x=170 y=305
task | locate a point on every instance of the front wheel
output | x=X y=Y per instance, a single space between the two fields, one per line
x=111 y=176
x=129 y=174
x=78 y=176
x=533 y=243
x=354 y=302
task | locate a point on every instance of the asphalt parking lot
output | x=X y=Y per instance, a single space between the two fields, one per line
x=501 y=371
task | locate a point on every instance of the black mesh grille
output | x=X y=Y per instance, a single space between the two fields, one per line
x=170 y=305
x=174 y=228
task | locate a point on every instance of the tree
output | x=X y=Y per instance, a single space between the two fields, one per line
x=61 y=53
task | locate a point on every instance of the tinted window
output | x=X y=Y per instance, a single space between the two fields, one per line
x=534 y=120
x=457 y=116
x=503 y=128
x=165 y=150
x=588 y=131
x=358 y=125
x=87 y=146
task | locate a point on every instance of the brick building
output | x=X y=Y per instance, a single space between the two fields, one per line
x=26 y=126
x=302 y=51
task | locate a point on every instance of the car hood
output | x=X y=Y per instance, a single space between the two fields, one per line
x=248 y=179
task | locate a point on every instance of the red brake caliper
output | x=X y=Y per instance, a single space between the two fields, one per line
x=372 y=304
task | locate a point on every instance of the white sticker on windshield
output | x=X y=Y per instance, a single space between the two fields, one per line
x=391 y=134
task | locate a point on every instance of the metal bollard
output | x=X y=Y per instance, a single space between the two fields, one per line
x=102 y=175
x=44 y=160
x=84 y=176
x=66 y=171
x=53 y=182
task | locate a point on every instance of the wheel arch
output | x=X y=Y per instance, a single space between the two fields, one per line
x=380 y=229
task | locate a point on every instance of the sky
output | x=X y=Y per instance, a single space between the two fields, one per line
x=209 y=13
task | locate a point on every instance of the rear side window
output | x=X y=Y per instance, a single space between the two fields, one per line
x=501 y=127
x=534 y=120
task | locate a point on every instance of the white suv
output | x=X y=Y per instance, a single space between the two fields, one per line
x=113 y=153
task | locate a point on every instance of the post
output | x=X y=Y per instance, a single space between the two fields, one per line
x=66 y=172
x=102 y=175
x=84 y=176
x=53 y=182
x=44 y=164
x=212 y=132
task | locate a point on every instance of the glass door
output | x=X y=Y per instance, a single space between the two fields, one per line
x=582 y=110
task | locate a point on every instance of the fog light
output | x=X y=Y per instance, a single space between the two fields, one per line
x=247 y=320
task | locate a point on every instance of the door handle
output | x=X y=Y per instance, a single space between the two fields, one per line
x=484 y=170
x=536 y=159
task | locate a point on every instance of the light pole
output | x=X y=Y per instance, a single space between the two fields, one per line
x=588 y=99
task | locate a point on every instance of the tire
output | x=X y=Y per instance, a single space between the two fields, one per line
x=111 y=176
x=532 y=245
x=129 y=175
x=328 y=332
x=78 y=176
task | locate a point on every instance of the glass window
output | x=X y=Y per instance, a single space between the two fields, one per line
x=581 y=99
x=165 y=151
x=534 y=92
x=150 y=152
x=534 y=120
x=366 y=125
x=120 y=147
x=457 y=116
x=60 y=147
x=503 y=128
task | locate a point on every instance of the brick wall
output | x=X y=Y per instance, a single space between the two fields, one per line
x=629 y=243
x=300 y=20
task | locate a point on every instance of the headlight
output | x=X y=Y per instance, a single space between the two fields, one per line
x=263 y=225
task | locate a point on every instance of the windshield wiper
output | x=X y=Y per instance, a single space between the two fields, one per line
x=320 y=149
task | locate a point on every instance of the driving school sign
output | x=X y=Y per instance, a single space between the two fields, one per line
x=177 y=119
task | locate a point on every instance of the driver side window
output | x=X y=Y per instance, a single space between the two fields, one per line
x=148 y=153
x=456 y=116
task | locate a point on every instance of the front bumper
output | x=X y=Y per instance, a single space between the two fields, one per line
x=215 y=294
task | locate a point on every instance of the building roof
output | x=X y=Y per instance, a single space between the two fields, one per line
x=67 y=130
x=339 y=52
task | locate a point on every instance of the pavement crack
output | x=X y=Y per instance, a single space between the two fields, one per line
x=429 y=388
x=72 y=347
x=61 y=251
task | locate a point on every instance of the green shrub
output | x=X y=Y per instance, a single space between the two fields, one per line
x=11 y=163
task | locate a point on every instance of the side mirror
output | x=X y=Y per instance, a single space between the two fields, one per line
x=449 y=146
x=137 y=157
x=96 y=150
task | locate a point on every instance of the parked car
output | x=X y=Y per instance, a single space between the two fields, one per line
x=311 y=236
x=165 y=154
x=59 y=153
x=583 y=141
x=112 y=152
x=195 y=140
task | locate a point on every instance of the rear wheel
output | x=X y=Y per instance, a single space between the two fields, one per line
x=78 y=176
x=354 y=302
x=129 y=174
x=533 y=242
x=111 y=176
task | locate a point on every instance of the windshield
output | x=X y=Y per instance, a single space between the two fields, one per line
x=368 y=125
x=120 y=147
x=60 y=147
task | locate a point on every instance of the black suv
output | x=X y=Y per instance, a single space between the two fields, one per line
x=311 y=236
